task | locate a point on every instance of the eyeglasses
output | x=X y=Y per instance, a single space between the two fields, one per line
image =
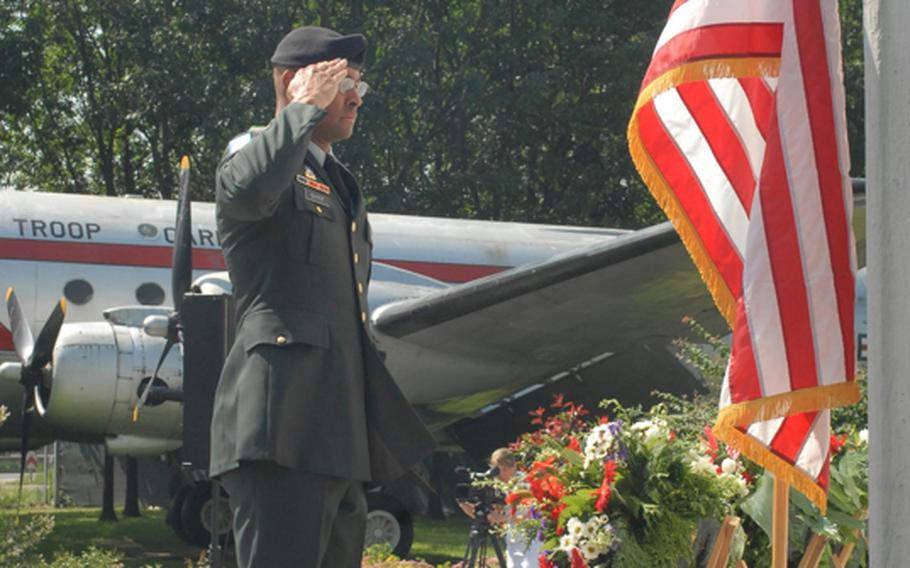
x=347 y=84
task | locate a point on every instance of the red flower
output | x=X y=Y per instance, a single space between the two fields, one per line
x=603 y=494
x=837 y=443
x=558 y=401
x=672 y=436
x=712 y=443
x=577 y=560
x=544 y=562
x=604 y=419
x=574 y=445
x=538 y=415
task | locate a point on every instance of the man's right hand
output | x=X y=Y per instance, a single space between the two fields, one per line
x=317 y=84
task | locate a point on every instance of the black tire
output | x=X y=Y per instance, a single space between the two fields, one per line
x=194 y=515
x=173 y=512
x=389 y=521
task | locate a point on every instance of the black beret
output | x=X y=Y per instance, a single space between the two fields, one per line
x=311 y=44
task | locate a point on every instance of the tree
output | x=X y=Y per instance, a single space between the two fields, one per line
x=494 y=109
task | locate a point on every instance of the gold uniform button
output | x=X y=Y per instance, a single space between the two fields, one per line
x=363 y=317
x=360 y=288
x=356 y=258
x=353 y=226
x=281 y=340
x=319 y=210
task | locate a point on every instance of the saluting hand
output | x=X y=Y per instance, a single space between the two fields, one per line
x=317 y=84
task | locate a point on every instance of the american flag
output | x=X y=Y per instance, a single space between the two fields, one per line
x=740 y=133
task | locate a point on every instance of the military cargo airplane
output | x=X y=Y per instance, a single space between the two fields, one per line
x=470 y=314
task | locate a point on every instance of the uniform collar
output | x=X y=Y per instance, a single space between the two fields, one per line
x=319 y=153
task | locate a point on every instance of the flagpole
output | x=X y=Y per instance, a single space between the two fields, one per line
x=779 y=524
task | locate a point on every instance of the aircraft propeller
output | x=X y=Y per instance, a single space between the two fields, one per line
x=181 y=280
x=35 y=355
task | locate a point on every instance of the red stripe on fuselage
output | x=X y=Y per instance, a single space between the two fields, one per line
x=6 y=339
x=446 y=272
x=203 y=259
x=104 y=253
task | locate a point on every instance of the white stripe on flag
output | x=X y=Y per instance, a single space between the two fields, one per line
x=681 y=126
x=811 y=456
x=765 y=327
x=797 y=143
x=697 y=13
x=733 y=100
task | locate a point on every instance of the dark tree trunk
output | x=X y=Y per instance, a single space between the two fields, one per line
x=107 y=500
x=131 y=505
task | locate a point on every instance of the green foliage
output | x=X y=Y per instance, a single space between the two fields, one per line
x=20 y=536
x=89 y=558
x=502 y=111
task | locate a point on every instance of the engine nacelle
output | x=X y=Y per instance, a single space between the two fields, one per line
x=97 y=372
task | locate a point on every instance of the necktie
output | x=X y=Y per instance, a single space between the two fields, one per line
x=334 y=173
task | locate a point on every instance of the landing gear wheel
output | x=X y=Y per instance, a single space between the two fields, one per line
x=195 y=515
x=173 y=512
x=388 y=522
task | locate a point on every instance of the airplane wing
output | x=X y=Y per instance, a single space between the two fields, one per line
x=602 y=318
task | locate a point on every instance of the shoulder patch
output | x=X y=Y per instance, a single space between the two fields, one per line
x=238 y=142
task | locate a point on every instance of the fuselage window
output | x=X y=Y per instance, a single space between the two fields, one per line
x=78 y=292
x=150 y=294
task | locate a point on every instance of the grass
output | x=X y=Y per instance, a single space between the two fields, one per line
x=148 y=540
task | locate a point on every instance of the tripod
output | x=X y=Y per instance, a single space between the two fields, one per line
x=476 y=554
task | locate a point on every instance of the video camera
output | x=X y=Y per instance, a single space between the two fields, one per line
x=482 y=496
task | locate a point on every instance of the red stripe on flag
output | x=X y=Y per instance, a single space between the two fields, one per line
x=691 y=196
x=792 y=434
x=761 y=100
x=721 y=136
x=716 y=41
x=824 y=476
x=782 y=241
x=810 y=36
x=744 y=381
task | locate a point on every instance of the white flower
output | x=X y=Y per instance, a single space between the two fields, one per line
x=729 y=466
x=649 y=429
x=598 y=444
x=588 y=529
x=566 y=544
x=575 y=529
x=702 y=464
x=590 y=550
x=864 y=435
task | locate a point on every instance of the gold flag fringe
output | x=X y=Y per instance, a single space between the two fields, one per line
x=787 y=404
x=777 y=466
x=660 y=189
x=667 y=200
x=803 y=400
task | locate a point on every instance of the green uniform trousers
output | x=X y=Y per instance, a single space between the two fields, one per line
x=287 y=518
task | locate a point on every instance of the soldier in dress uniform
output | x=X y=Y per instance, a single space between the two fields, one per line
x=305 y=412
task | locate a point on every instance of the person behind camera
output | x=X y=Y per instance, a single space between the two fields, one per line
x=519 y=552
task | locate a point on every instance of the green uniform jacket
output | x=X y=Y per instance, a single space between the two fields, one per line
x=303 y=384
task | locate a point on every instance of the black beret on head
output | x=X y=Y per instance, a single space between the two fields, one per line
x=311 y=44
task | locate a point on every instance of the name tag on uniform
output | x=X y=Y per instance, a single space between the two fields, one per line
x=317 y=197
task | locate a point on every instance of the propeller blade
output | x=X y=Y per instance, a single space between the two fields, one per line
x=44 y=346
x=148 y=385
x=27 y=402
x=182 y=260
x=22 y=334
